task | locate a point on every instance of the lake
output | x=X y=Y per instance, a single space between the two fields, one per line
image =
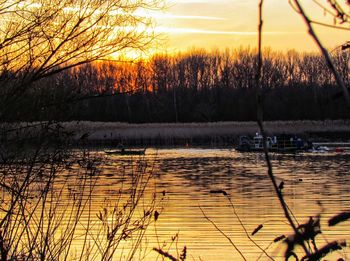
x=205 y=200
x=314 y=184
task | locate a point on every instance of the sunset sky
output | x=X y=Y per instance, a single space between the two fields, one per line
x=233 y=23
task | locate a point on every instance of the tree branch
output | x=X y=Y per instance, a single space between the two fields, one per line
x=326 y=55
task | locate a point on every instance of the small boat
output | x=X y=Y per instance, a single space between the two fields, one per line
x=320 y=149
x=126 y=152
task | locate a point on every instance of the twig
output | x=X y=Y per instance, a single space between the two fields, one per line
x=245 y=230
x=261 y=126
x=165 y=254
x=266 y=248
x=326 y=55
x=223 y=233
x=329 y=25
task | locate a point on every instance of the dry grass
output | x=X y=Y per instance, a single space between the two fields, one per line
x=109 y=130
x=154 y=134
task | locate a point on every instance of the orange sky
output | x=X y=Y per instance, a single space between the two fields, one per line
x=233 y=23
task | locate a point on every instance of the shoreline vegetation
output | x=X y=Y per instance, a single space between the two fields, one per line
x=195 y=86
x=192 y=134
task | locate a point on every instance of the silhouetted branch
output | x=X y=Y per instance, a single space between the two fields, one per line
x=223 y=233
x=245 y=230
x=259 y=102
x=326 y=55
x=165 y=254
x=40 y=40
x=330 y=26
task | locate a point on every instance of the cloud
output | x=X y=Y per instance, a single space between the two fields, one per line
x=214 y=2
x=168 y=15
x=175 y=30
x=189 y=17
x=190 y=1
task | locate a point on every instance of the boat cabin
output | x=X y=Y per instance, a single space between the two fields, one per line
x=258 y=141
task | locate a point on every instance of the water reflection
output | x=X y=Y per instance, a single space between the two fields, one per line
x=314 y=184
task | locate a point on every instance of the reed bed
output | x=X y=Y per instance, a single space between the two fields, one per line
x=211 y=132
x=47 y=206
x=110 y=134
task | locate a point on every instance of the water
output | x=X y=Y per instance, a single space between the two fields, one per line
x=208 y=200
x=314 y=184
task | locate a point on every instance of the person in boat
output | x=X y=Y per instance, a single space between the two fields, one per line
x=299 y=143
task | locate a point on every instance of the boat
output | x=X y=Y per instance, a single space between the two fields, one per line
x=282 y=144
x=320 y=149
x=126 y=152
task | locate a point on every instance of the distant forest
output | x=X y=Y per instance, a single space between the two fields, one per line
x=196 y=86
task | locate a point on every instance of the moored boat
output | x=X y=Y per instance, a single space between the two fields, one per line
x=282 y=143
x=126 y=152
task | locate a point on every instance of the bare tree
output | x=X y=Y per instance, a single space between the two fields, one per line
x=341 y=20
x=41 y=38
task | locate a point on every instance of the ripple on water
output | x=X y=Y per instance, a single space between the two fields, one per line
x=313 y=184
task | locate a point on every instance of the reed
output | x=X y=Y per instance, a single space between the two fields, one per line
x=215 y=133
x=108 y=134
x=107 y=130
x=46 y=210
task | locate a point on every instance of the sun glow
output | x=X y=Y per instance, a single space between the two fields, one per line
x=231 y=24
x=221 y=24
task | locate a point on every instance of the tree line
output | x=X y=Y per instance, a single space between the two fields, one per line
x=195 y=86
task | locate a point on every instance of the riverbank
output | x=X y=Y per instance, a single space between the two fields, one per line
x=214 y=133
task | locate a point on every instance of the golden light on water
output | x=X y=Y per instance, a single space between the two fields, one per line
x=188 y=175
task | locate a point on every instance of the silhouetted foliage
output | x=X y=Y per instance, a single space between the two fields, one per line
x=339 y=218
x=193 y=87
x=40 y=40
